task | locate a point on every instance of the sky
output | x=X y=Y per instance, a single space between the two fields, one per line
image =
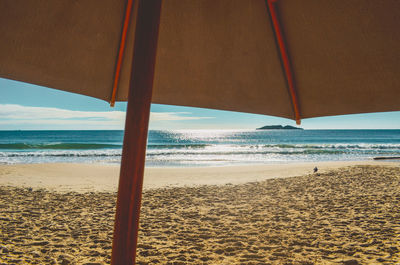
x=29 y=107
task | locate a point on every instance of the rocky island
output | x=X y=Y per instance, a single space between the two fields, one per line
x=279 y=127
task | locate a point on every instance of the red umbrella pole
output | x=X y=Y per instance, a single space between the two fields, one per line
x=135 y=138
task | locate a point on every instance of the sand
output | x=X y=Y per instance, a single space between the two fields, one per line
x=347 y=215
x=66 y=177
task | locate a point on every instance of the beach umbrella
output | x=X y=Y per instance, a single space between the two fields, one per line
x=288 y=58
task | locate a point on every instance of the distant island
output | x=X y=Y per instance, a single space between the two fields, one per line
x=279 y=127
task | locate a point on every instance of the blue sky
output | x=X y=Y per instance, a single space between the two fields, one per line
x=29 y=107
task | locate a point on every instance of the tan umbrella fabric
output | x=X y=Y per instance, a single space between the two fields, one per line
x=218 y=54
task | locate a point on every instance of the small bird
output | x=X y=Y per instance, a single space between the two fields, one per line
x=315 y=169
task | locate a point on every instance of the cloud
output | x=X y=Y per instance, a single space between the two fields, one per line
x=18 y=112
x=12 y=114
x=174 y=116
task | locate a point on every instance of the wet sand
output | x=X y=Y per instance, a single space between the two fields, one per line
x=340 y=216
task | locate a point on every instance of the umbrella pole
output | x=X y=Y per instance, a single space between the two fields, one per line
x=135 y=139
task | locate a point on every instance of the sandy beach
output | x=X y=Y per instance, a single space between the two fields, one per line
x=80 y=177
x=348 y=213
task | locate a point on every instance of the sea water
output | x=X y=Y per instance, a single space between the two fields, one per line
x=187 y=148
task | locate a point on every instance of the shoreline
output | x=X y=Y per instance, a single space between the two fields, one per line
x=80 y=177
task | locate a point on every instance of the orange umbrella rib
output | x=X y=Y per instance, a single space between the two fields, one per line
x=284 y=57
x=128 y=12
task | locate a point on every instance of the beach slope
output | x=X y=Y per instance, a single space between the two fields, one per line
x=348 y=215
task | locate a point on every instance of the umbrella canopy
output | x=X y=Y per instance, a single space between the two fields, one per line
x=344 y=55
x=288 y=58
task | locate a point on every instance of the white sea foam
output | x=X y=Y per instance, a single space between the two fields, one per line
x=200 y=148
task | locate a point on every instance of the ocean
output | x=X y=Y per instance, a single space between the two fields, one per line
x=188 y=148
